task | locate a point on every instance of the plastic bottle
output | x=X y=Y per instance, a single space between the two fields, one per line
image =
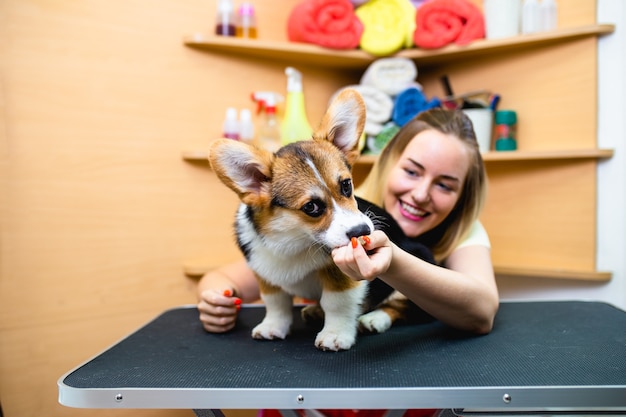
x=246 y=22
x=531 y=16
x=506 y=130
x=230 y=128
x=269 y=126
x=548 y=12
x=246 y=127
x=225 y=25
x=502 y=18
x=295 y=125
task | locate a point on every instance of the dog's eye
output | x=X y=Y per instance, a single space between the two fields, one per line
x=314 y=208
x=346 y=187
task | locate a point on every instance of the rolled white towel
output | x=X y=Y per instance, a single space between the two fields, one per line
x=390 y=75
x=372 y=128
x=378 y=107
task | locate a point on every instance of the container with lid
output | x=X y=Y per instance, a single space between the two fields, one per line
x=506 y=130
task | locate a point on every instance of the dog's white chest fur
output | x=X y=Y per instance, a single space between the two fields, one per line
x=287 y=260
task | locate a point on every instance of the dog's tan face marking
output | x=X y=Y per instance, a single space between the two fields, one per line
x=311 y=188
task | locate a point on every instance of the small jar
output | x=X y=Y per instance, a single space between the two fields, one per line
x=506 y=130
x=246 y=22
x=225 y=25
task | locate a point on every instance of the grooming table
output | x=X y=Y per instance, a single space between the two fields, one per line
x=541 y=357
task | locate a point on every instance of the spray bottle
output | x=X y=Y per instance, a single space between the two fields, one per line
x=269 y=128
x=295 y=124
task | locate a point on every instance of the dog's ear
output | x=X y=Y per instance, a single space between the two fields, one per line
x=343 y=123
x=243 y=168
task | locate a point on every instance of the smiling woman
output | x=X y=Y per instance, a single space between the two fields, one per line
x=431 y=177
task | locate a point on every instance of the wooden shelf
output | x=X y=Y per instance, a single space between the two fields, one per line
x=197 y=267
x=310 y=54
x=196 y=156
x=201 y=156
x=548 y=155
x=601 y=276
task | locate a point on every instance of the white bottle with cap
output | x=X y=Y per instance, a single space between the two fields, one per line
x=548 y=11
x=531 y=17
x=230 y=128
x=246 y=127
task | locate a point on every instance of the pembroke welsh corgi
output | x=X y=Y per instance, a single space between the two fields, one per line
x=297 y=205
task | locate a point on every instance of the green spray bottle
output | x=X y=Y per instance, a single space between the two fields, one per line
x=295 y=125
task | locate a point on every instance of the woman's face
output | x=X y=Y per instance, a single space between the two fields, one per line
x=426 y=182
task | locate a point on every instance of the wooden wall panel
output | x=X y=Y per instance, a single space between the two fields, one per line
x=552 y=89
x=97 y=208
x=542 y=214
x=98 y=211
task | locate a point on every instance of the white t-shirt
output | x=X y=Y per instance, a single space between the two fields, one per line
x=477 y=236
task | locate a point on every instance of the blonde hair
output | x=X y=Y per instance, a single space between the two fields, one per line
x=446 y=236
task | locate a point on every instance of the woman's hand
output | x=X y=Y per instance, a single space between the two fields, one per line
x=218 y=310
x=365 y=261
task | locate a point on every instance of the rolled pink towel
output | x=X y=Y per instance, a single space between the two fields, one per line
x=328 y=23
x=441 y=22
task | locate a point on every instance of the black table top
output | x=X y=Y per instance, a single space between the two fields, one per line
x=540 y=355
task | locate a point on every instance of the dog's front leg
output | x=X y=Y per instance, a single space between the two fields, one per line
x=341 y=310
x=278 y=316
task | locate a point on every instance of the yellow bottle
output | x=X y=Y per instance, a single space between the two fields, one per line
x=295 y=125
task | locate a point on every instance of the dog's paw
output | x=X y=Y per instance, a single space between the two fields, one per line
x=269 y=330
x=313 y=315
x=334 y=341
x=376 y=321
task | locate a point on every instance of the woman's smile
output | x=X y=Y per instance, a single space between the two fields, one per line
x=412 y=212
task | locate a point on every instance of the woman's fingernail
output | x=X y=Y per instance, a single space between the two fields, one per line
x=227 y=293
x=237 y=301
x=355 y=242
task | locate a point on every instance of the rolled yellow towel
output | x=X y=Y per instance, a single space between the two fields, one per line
x=388 y=26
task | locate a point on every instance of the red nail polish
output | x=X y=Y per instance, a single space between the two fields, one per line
x=367 y=240
x=237 y=301
x=227 y=293
x=355 y=242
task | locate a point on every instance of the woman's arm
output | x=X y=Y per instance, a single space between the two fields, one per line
x=463 y=294
x=220 y=293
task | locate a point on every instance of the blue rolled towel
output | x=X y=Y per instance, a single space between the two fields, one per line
x=409 y=103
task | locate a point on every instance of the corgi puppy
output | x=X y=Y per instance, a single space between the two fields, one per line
x=297 y=205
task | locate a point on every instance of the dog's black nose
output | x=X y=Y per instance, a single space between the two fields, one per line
x=360 y=230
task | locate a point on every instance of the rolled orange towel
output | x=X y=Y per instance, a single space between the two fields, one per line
x=328 y=23
x=441 y=22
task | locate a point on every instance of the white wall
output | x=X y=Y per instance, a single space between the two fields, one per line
x=611 y=250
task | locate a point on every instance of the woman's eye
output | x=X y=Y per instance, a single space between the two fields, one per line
x=445 y=186
x=346 y=187
x=314 y=208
